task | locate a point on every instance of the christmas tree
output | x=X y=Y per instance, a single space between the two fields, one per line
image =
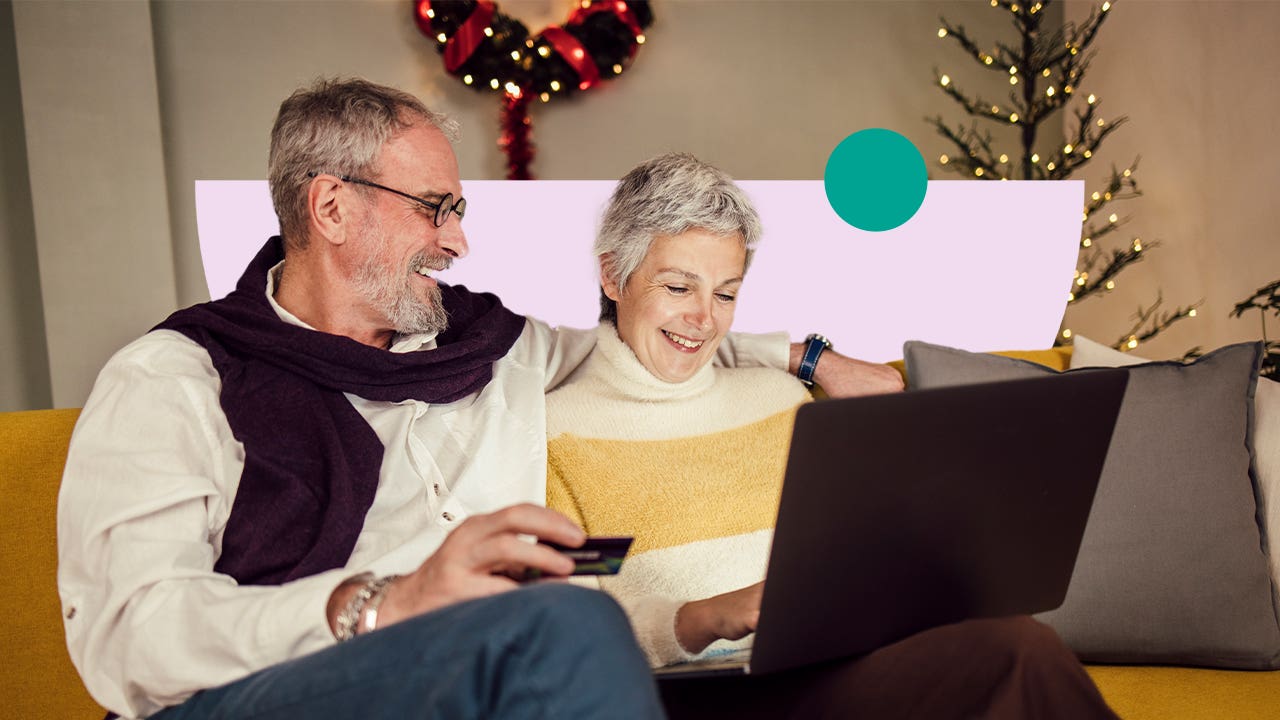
x=1045 y=69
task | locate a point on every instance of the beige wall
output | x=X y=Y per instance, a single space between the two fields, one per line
x=1198 y=81
x=764 y=89
x=24 y=362
x=94 y=162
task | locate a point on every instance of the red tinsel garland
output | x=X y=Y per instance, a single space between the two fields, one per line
x=514 y=138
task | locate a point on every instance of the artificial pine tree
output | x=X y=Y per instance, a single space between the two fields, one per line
x=1265 y=299
x=1045 y=69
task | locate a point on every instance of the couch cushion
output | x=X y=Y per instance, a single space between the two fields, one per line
x=1264 y=439
x=1171 y=568
x=1166 y=693
x=39 y=681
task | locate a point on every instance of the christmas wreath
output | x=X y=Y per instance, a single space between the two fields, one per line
x=494 y=52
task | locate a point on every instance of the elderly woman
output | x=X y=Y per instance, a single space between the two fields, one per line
x=649 y=438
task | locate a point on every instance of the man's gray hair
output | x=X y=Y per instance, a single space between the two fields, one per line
x=339 y=127
x=669 y=195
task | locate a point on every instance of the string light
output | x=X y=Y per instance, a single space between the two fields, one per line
x=1107 y=196
x=1137 y=245
x=1111 y=284
x=944 y=159
x=1046 y=72
x=1013 y=79
x=995 y=109
x=1013 y=70
x=988 y=60
x=977 y=171
x=1067 y=150
x=1068 y=89
x=544 y=51
x=488 y=32
x=431 y=14
x=1106 y=6
x=640 y=39
x=1113 y=217
x=1097 y=196
x=528 y=43
x=1049 y=92
x=942 y=32
x=555 y=86
x=1035 y=158
x=945 y=80
x=1133 y=342
x=515 y=54
x=1126 y=172
x=1101 y=122
x=1066 y=332
x=1088 y=154
x=494 y=83
x=512 y=89
x=1191 y=312
x=545 y=97
x=1087 y=242
x=1004 y=158
x=1093 y=99
x=442 y=37
x=1050 y=166
x=617 y=69
x=1013 y=117
x=468 y=79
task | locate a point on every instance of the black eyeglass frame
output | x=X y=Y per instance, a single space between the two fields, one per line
x=441 y=209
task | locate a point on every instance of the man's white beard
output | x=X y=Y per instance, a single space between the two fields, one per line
x=392 y=290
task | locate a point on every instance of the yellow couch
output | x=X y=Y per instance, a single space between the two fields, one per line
x=39 y=682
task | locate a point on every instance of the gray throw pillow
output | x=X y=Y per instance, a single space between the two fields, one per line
x=1171 y=569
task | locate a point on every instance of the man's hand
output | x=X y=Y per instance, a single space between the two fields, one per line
x=730 y=616
x=479 y=558
x=840 y=376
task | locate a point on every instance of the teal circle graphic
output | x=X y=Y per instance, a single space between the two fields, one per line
x=875 y=179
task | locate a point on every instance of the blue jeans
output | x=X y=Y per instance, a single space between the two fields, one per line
x=545 y=651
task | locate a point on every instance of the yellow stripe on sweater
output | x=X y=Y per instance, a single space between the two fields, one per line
x=711 y=486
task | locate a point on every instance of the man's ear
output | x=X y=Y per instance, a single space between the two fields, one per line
x=607 y=283
x=328 y=210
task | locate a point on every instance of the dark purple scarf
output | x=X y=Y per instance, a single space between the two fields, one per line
x=311 y=461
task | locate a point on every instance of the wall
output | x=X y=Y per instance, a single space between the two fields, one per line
x=1197 y=81
x=764 y=89
x=99 y=203
x=24 y=363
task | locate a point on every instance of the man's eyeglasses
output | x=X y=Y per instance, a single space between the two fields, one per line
x=440 y=209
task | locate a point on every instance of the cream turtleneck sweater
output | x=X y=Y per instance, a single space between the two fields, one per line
x=693 y=470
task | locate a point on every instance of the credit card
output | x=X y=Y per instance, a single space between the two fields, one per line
x=597 y=556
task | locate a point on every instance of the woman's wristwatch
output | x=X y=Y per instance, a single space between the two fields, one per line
x=815 y=344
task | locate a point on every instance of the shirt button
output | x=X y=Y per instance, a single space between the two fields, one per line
x=448 y=517
x=436 y=487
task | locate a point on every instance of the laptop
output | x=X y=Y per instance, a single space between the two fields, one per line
x=904 y=512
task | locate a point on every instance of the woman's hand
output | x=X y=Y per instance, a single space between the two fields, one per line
x=730 y=616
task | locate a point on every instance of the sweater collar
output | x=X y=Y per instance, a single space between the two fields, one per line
x=614 y=363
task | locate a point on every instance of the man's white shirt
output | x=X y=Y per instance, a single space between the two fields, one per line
x=152 y=475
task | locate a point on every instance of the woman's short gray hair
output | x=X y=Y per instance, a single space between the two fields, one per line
x=335 y=126
x=669 y=195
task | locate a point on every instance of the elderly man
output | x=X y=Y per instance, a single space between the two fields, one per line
x=343 y=449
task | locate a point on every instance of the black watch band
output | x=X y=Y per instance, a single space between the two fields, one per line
x=814 y=346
